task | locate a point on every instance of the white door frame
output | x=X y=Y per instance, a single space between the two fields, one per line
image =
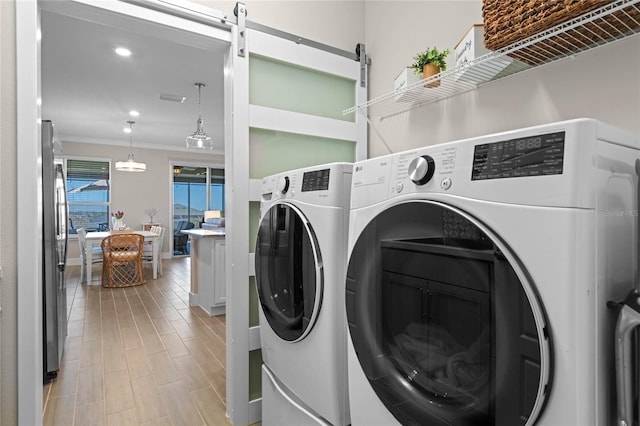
x=173 y=13
x=29 y=244
x=29 y=173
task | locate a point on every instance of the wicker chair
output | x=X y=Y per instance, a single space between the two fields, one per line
x=122 y=260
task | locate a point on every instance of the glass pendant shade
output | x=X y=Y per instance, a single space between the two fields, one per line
x=130 y=165
x=199 y=139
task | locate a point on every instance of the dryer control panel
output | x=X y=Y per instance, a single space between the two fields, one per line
x=545 y=165
x=536 y=155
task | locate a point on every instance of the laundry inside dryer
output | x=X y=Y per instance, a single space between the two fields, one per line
x=450 y=336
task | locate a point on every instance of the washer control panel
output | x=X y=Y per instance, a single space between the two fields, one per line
x=324 y=185
x=316 y=180
x=283 y=184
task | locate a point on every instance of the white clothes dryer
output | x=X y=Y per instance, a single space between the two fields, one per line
x=479 y=274
x=301 y=253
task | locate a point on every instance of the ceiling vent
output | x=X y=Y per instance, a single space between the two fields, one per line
x=172 y=98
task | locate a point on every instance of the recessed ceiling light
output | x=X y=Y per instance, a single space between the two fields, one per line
x=134 y=113
x=127 y=130
x=122 y=51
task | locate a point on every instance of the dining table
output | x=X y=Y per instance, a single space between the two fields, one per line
x=94 y=239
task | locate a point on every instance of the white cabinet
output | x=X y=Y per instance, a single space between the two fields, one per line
x=207 y=270
x=219 y=296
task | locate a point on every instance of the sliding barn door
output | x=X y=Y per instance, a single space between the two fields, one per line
x=296 y=94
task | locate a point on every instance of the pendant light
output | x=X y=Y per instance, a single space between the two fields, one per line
x=199 y=139
x=130 y=165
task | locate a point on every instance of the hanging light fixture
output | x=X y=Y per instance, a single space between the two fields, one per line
x=199 y=139
x=130 y=165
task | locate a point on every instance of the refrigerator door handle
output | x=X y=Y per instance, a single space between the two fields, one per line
x=62 y=217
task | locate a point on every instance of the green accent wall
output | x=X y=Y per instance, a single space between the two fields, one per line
x=255 y=374
x=289 y=87
x=254 y=303
x=254 y=223
x=272 y=152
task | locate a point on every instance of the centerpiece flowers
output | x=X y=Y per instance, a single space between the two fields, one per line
x=116 y=220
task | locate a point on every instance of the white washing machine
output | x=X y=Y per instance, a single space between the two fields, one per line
x=479 y=274
x=301 y=253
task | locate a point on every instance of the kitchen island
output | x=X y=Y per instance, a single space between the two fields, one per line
x=207 y=269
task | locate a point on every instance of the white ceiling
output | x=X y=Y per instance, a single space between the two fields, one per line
x=88 y=90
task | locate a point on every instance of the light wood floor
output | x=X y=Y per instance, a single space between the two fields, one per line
x=139 y=356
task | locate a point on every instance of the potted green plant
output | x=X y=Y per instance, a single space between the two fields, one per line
x=429 y=63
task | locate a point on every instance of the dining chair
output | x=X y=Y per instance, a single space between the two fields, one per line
x=96 y=254
x=122 y=260
x=180 y=239
x=147 y=252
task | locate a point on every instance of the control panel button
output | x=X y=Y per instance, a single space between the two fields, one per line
x=446 y=183
x=399 y=187
x=283 y=184
x=421 y=169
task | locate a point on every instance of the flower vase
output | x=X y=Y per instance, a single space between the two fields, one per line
x=117 y=224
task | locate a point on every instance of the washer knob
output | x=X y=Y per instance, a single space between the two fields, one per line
x=421 y=169
x=283 y=184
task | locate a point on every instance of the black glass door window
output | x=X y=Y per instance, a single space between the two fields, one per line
x=441 y=324
x=288 y=272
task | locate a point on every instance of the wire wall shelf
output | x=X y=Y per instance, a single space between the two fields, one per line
x=616 y=21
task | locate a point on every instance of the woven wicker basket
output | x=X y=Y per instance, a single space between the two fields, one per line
x=509 y=21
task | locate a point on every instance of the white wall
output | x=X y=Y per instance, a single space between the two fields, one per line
x=133 y=193
x=602 y=84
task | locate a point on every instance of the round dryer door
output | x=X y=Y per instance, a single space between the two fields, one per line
x=446 y=327
x=289 y=272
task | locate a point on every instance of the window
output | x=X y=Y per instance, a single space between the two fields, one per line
x=216 y=190
x=88 y=191
x=196 y=189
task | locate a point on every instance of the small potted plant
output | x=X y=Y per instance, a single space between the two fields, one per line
x=429 y=63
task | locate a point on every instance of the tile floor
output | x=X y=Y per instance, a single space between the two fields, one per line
x=139 y=356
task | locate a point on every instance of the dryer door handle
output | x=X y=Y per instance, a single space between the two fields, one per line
x=628 y=320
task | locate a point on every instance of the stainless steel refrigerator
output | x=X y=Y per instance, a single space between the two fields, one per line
x=54 y=239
